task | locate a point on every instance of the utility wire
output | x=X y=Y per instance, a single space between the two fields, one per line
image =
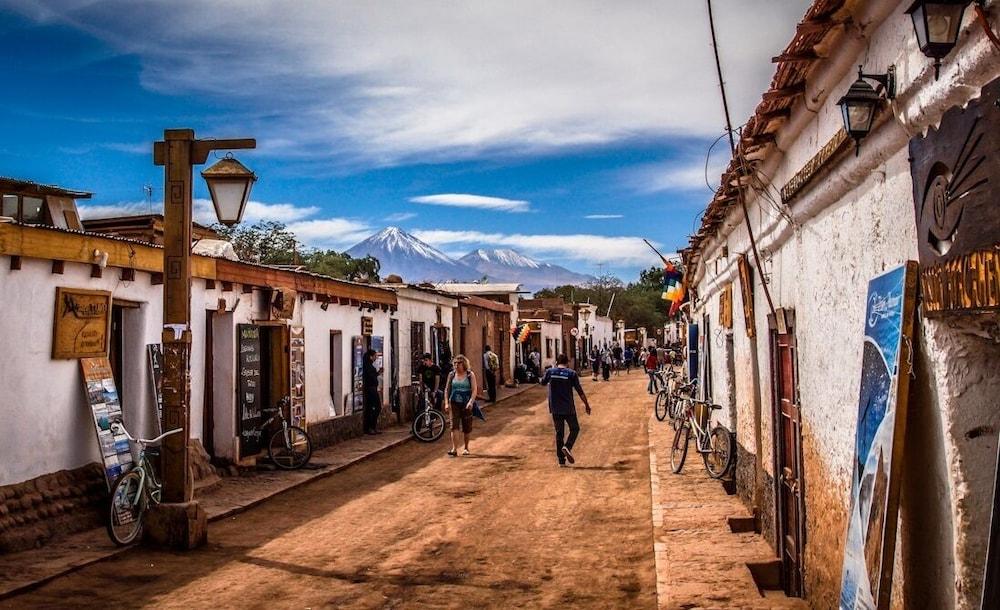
x=732 y=146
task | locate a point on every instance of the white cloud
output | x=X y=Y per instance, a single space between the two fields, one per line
x=334 y=233
x=400 y=216
x=603 y=216
x=479 y=202
x=688 y=173
x=620 y=251
x=390 y=81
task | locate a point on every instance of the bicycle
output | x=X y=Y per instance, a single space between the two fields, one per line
x=429 y=423
x=660 y=405
x=290 y=447
x=677 y=398
x=715 y=447
x=133 y=492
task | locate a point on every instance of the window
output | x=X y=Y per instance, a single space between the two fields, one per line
x=548 y=348
x=336 y=374
x=418 y=341
x=23 y=208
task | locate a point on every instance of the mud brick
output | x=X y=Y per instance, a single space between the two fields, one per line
x=24 y=503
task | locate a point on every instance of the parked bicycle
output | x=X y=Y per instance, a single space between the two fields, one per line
x=715 y=445
x=290 y=446
x=134 y=492
x=429 y=423
x=663 y=393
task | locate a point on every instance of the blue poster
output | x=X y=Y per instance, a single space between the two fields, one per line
x=868 y=552
x=692 y=347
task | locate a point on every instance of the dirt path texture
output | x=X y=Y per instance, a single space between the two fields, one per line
x=413 y=528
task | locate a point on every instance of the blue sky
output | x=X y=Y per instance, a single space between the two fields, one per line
x=470 y=124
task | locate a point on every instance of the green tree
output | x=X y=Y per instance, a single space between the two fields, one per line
x=638 y=303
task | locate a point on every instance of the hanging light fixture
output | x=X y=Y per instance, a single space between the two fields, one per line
x=229 y=183
x=860 y=104
x=936 y=24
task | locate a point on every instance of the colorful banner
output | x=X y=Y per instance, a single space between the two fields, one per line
x=866 y=581
x=673 y=287
x=105 y=406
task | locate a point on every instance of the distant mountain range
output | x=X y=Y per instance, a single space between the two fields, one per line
x=416 y=261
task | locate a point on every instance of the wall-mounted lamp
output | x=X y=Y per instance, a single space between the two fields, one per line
x=324 y=305
x=936 y=24
x=861 y=102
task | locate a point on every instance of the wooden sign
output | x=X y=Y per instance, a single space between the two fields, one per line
x=367 y=326
x=955 y=189
x=105 y=407
x=82 y=323
x=726 y=306
x=813 y=166
x=248 y=389
x=283 y=303
x=866 y=580
x=746 y=291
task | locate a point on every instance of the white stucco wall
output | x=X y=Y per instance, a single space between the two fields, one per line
x=849 y=225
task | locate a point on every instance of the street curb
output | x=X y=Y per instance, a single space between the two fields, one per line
x=320 y=474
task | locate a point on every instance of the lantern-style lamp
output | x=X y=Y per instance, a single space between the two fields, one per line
x=229 y=183
x=936 y=24
x=860 y=104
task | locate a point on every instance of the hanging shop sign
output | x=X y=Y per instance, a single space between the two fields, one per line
x=866 y=580
x=297 y=375
x=82 y=323
x=154 y=355
x=954 y=169
x=814 y=166
x=248 y=389
x=367 y=326
x=106 y=408
x=746 y=291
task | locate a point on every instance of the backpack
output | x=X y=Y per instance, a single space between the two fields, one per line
x=494 y=361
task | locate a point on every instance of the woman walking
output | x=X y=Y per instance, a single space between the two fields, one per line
x=461 y=390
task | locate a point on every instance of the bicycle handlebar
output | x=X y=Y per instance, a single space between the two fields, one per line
x=145 y=441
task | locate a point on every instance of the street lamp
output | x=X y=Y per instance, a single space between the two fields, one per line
x=861 y=102
x=229 y=183
x=936 y=24
x=179 y=522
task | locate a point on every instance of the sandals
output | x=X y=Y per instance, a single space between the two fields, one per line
x=452 y=453
x=465 y=452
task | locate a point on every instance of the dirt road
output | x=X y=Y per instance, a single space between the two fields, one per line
x=413 y=528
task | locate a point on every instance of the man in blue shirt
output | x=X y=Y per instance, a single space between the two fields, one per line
x=562 y=381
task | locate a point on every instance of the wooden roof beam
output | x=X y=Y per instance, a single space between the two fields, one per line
x=773 y=95
x=795 y=56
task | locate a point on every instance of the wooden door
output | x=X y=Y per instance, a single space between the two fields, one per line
x=787 y=453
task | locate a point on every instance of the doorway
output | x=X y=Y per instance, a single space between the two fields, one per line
x=787 y=452
x=337 y=403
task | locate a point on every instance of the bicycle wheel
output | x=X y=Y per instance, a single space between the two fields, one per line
x=719 y=458
x=679 y=450
x=290 y=448
x=674 y=410
x=126 y=509
x=428 y=426
x=661 y=405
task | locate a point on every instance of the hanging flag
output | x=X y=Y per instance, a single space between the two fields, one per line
x=673 y=285
x=520 y=332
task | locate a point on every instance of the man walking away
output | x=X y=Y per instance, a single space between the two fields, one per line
x=372 y=402
x=491 y=366
x=629 y=356
x=562 y=381
x=606 y=359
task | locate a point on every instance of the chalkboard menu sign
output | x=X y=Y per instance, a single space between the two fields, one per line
x=155 y=354
x=248 y=394
x=106 y=408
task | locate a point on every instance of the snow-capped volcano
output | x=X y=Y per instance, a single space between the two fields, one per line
x=506 y=265
x=413 y=260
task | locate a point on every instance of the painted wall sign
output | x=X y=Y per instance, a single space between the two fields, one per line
x=955 y=190
x=82 y=323
x=105 y=406
x=154 y=354
x=813 y=166
x=866 y=580
x=248 y=388
x=297 y=375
